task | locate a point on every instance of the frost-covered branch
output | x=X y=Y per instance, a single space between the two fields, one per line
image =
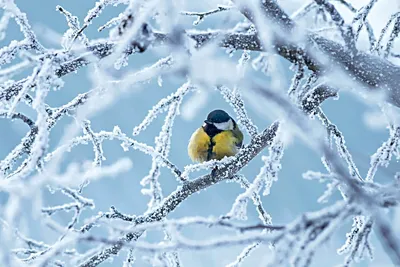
x=187 y=189
x=267 y=175
x=340 y=143
x=101 y=49
x=56 y=114
x=262 y=213
x=314 y=97
x=234 y=98
x=322 y=66
x=30 y=42
x=163 y=142
x=201 y=15
x=19 y=116
x=207 y=222
x=358 y=241
x=345 y=30
x=378 y=45
x=162 y=106
x=393 y=35
x=362 y=67
x=126 y=143
x=74 y=28
x=355 y=192
x=97 y=146
x=311 y=229
x=384 y=153
x=361 y=18
x=296 y=80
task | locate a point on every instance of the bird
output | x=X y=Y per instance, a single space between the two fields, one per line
x=217 y=138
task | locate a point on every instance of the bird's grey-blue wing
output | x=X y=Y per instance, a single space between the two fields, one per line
x=239 y=136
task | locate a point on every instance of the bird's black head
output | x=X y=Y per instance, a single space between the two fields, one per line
x=218 y=121
x=217 y=116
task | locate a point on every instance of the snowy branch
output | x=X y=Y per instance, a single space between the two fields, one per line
x=327 y=58
x=201 y=15
x=187 y=189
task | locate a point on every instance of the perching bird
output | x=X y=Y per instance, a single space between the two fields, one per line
x=218 y=137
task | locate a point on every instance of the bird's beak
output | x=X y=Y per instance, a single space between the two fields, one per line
x=208 y=122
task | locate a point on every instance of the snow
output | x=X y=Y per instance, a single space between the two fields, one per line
x=184 y=70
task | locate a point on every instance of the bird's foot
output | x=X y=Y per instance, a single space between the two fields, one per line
x=214 y=171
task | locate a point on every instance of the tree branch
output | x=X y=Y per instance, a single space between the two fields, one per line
x=371 y=71
x=187 y=189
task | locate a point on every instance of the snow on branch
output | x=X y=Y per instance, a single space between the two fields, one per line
x=30 y=41
x=74 y=27
x=355 y=190
x=311 y=229
x=337 y=54
x=97 y=147
x=163 y=142
x=162 y=106
x=378 y=46
x=209 y=222
x=264 y=216
x=201 y=15
x=24 y=90
x=19 y=116
x=126 y=143
x=208 y=165
x=323 y=65
x=56 y=114
x=99 y=7
x=345 y=30
x=393 y=35
x=358 y=241
x=234 y=98
x=340 y=143
x=187 y=189
x=267 y=175
x=384 y=153
x=361 y=18
x=265 y=178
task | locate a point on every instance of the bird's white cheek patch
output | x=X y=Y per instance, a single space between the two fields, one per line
x=223 y=126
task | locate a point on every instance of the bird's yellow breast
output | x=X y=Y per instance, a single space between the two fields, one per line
x=222 y=144
x=198 y=145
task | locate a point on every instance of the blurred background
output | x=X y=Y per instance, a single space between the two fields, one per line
x=290 y=196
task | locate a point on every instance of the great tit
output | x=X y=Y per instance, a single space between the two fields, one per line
x=218 y=137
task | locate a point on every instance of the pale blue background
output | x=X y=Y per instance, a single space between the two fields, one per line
x=289 y=197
